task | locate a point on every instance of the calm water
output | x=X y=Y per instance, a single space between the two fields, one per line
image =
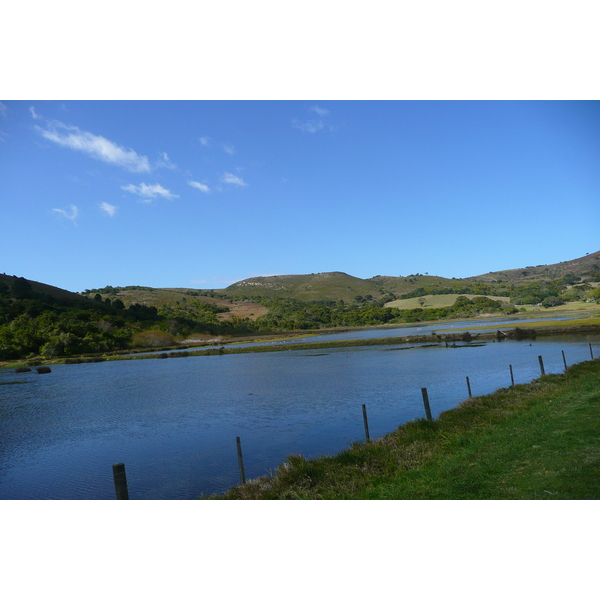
x=174 y=422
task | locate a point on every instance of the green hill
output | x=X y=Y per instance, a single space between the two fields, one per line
x=331 y=286
x=587 y=266
x=39 y=288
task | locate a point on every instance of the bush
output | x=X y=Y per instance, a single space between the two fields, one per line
x=152 y=339
x=552 y=301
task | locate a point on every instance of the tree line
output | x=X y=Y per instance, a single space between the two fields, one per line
x=38 y=324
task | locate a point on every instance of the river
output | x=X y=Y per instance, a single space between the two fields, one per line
x=174 y=422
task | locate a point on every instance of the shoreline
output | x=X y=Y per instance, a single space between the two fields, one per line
x=529 y=330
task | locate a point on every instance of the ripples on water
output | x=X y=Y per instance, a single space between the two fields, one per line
x=174 y=422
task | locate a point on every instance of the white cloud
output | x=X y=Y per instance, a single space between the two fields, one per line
x=205 y=141
x=311 y=126
x=231 y=178
x=95 y=145
x=71 y=215
x=165 y=161
x=322 y=112
x=200 y=186
x=109 y=209
x=33 y=113
x=3 y=109
x=229 y=148
x=148 y=191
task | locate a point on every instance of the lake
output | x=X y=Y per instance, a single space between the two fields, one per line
x=174 y=422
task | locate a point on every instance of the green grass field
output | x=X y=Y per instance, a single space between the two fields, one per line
x=438 y=301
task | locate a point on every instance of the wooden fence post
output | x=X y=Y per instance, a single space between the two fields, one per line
x=469 y=388
x=120 y=481
x=541 y=365
x=591 y=353
x=240 y=460
x=367 y=436
x=564 y=359
x=426 y=403
x=512 y=377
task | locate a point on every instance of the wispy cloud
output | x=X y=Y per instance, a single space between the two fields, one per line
x=200 y=186
x=148 y=192
x=3 y=109
x=68 y=214
x=311 y=126
x=165 y=162
x=33 y=113
x=233 y=179
x=205 y=141
x=95 y=146
x=322 y=112
x=109 y=209
x=229 y=148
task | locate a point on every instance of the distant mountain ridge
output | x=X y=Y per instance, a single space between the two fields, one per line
x=337 y=285
x=333 y=285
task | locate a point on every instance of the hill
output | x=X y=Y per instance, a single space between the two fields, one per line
x=179 y=297
x=331 y=286
x=586 y=266
x=337 y=285
x=39 y=288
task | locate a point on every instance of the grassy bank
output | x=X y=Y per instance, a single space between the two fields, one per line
x=534 y=441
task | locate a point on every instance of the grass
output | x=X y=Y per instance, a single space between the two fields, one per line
x=563 y=308
x=534 y=441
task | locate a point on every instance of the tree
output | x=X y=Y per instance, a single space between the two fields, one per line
x=21 y=288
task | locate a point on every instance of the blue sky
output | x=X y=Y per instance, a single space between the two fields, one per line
x=206 y=193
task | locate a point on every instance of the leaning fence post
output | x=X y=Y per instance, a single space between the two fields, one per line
x=120 y=481
x=426 y=403
x=591 y=353
x=512 y=377
x=469 y=388
x=564 y=359
x=240 y=460
x=364 y=408
x=541 y=365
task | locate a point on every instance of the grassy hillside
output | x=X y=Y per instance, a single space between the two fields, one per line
x=405 y=285
x=159 y=297
x=586 y=266
x=315 y=286
x=332 y=286
x=42 y=288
